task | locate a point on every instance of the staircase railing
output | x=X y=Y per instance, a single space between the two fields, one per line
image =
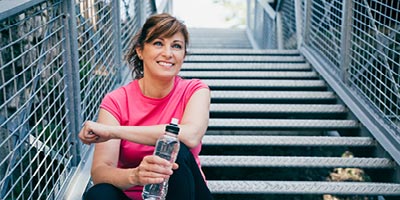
x=57 y=60
x=354 y=45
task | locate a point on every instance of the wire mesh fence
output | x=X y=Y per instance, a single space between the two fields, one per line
x=57 y=60
x=357 y=41
x=375 y=56
x=360 y=41
x=35 y=151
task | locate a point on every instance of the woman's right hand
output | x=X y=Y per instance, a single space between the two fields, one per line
x=153 y=169
x=94 y=132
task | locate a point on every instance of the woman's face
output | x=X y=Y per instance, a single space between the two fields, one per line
x=163 y=57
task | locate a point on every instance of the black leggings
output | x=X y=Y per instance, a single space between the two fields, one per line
x=186 y=183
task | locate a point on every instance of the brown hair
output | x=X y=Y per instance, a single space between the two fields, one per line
x=156 y=26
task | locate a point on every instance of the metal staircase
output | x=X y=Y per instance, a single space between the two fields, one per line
x=276 y=129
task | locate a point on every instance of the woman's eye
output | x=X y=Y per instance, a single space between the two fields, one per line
x=177 y=46
x=157 y=44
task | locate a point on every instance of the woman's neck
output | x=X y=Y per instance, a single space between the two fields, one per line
x=156 y=88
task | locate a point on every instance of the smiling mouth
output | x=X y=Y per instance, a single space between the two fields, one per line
x=165 y=64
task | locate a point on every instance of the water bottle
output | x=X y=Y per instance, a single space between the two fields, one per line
x=167 y=147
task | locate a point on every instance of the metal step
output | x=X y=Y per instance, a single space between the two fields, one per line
x=246 y=66
x=242 y=84
x=204 y=32
x=219 y=45
x=271 y=96
x=263 y=52
x=271 y=109
x=246 y=59
x=302 y=187
x=283 y=124
x=248 y=74
x=211 y=38
x=295 y=161
x=308 y=141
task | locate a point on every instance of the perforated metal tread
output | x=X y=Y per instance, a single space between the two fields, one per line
x=246 y=66
x=302 y=187
x=271 y=95
x=278 y=108
x=234 y=44
x=265 y=84
x=257 y=140
x=263 y=52
x=249 y=74
x=294 y=161
x=237 y=59
x=286 y=124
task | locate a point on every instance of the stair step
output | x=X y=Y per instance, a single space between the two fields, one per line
x=204 y=32
x=302 y=187
x=241 y=59
x=217 y=44
x=256 y=140
x=242 y=84
x=271 y=109
x=284 y=124
x=249 y=74
x=295 y=161
x=246 y=66
x=262 y=52
x=271 y=96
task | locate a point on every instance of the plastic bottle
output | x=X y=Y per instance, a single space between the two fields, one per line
x=167 y=147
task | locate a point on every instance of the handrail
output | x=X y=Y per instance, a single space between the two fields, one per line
x=9 y=7
x=356 y=43
x=267 y=8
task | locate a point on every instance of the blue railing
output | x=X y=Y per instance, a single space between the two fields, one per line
x=354 y=45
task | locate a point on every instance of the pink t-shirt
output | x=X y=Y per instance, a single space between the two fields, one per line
x=131 y=108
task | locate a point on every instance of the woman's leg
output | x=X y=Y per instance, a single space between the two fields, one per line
x=187 y=182
x=104 y=191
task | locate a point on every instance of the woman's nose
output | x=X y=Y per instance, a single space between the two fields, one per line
x=167 y=51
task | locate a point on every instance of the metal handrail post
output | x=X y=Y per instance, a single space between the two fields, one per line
x=279 y=30
x=345 y=43
x=72 y=78
x=118 y=41
x=307 y=20
x=142 y=11
x=299 y=23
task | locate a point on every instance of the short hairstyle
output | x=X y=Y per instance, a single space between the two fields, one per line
x=156 y=26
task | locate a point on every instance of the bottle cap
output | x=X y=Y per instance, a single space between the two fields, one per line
x=173 y=126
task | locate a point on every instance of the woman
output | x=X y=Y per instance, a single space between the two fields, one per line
x=132 y=117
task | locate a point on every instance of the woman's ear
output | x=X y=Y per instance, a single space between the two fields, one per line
x=139 y=53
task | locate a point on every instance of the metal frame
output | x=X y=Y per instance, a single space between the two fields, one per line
x=55 y=56
x=355 y=46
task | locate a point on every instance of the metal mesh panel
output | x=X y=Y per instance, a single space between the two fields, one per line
x=288 y=24
x=129 y=22
x=325 y=30
x=34 y=147
x=375 y=55
x=96 y=40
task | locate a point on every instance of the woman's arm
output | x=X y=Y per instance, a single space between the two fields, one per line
x=194 y=122
x=104 y=168
x=193 y=126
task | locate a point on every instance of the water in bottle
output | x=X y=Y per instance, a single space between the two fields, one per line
x=167 y=147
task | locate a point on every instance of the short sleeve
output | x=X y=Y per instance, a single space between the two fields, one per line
x=195 y=84
x=112 y=103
